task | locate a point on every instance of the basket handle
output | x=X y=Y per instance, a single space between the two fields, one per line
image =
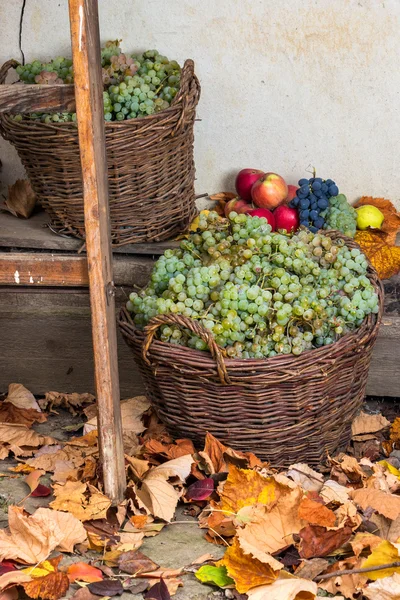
x=10 y=64
x=188 y=79
x=203 y=333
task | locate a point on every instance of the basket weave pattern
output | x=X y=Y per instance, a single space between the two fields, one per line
x=150 y=168
x=285 y=409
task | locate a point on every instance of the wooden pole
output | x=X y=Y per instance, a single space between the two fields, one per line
x=90 y=116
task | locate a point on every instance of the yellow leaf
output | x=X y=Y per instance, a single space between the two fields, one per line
x=245 y=487
x=384 y=257
x=246 y=571
x=391 y=223
x=383 y=554
x=84 y=501
x=390 y=468
x=41 y=570
x=51 y=587
x=195 y=223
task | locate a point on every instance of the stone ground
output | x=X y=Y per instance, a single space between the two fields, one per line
x=178 y=544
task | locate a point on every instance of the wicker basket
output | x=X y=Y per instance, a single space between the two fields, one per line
x=150 y=168
x=285 y=409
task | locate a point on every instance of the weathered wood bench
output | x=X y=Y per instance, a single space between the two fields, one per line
x=45 y=333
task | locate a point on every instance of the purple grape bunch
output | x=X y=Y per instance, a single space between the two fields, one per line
x=312 y=199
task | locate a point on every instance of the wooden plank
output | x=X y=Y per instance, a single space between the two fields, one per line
x=67 y=270
x=33 y=233
x=24 y=98
x=85 y=39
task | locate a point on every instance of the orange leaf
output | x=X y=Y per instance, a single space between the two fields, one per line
x=384 y=257
x=32 y=480
x=139 y=521
x=395 y=433
x=51 y=587
x=391 y=223
x=316 y=513
x=247 y=571
x=81 y=571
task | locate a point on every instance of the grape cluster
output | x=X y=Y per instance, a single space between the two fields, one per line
x=259 y=293
x=151 y=89
x=341 y=215
x=312 y=198
x=134 y=85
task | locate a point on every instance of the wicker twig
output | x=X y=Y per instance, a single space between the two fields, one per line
x=285 y=409
x=354 y=571
x=150 y=168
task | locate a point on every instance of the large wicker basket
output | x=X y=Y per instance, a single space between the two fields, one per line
x=285 y=409
x=150 y=168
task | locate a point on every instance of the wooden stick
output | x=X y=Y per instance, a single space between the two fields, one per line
x=24 y=98
x=90 y=115
x=353 y=571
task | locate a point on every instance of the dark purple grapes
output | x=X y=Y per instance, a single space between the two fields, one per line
x=312 y=198
x=314 y=214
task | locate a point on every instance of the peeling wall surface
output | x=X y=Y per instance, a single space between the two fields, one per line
x=285 y=83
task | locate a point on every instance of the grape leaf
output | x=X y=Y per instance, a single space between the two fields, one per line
x=382 y=255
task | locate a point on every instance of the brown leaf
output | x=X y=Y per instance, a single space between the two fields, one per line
x=246 y=571
x=285 y=588
x=391 y=223
x=21 y=199
x=215 y=450
x=309 y=569
x=349 y=465
x=50 y=587
x=384 y=257
x=135 y=562
x=386 y=528
x=347 y=585
x=20 y=397
x=387 y=505
x=305 y=477
x=171 y=584
x=132 y=411
x=23 y=416
x=107 y=587
x=32 y=480
x=179 y=448
x=73 y=530
x=221 y=199
x=30 y=539
x=365 y=423
x=82 y=500
x=364 y=540
x=316 y=513
x=332 y=491
x=17 y=437
x=58 y=459
x=162 y=574
x=273 y=528
x=395 y=432
x=73 y=402
x=317 y=541
x=138 y=467
x=84 y=594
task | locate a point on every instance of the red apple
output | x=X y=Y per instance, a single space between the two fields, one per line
x=244 y=181
x=269 y=191
x=286 y=218
x=292 y=189
x=237 y=205
x=267 y=214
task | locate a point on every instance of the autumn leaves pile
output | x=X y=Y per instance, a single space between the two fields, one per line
x=289 y=534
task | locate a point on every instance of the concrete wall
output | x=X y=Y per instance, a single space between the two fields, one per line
x=286 y=83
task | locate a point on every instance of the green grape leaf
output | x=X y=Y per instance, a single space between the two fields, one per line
x=216 y=575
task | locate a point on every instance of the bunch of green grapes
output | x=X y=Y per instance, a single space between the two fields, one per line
x=259 y=293
x=340 y=215
x=135 y=85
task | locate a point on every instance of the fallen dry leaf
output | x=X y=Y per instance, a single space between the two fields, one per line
x=106 y=588
x=9 y=413
x=332 y=491
x=387 y=505
x=84 y=594
x=395 y=432
x=138 y=466
x=384 y=257
x=21 y=397
x=13 y=578
x=81 y=571
x=273 y=528
x=391 y=223
x=157 y=494
x=73 y=402
x=365 y=423
x=348 y=585
x=132 y=411
x=10 y=594
x=57 y=459
x=316 y=513
x=305 y=477
x=244 y=487
x=179 y=448
x=48 y=583
x=386 y=528
x=171 y=584
x=32 y=480
x=30 y=539
x=317 y=542
x=291 y=588
x=159 y=591
x=134 y=562
x=349 y=465
x=21 y=199
x=364 y=540
x=384 y=553
x=17 y=437
x=384 y=589
x=221 y=199
x=246 y=571
x=82 y=500
x=309 y=569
